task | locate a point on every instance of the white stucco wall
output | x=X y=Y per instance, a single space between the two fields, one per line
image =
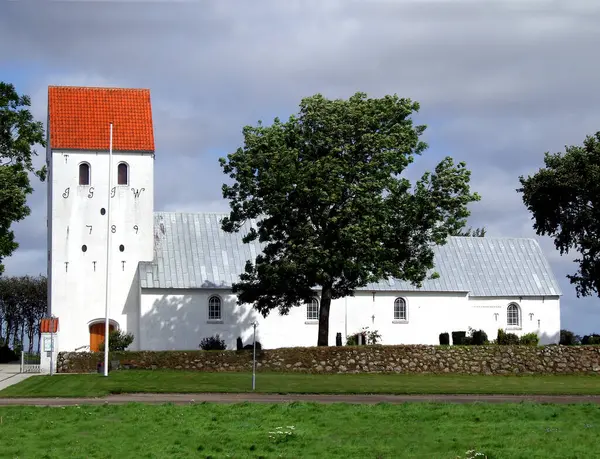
x=178 y=320
x=77 y=290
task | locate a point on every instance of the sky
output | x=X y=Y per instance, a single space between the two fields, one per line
x=499 y=84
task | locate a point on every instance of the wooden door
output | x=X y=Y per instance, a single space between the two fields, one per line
x=97 y=335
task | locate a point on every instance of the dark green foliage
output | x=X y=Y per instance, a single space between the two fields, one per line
x=239 y=344
x=250 y=347
x=18 y=134
x=506 y=339
x=568 y=338
x=444 y=339
x=333 y=206
x=368 y=337
x=529 y=339
x=590 y=339
x=564 y=199
x=478 y=338
x=117 y=341
x=459 y=338
x=477 y=232
x=213 y=343
x=7 y=355
x=23 y=303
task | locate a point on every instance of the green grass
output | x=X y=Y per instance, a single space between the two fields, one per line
x=321 y=431
x=130 y=381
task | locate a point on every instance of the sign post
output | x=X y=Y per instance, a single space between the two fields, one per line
x=254 y=359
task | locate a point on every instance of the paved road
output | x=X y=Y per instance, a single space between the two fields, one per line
x=276 y=398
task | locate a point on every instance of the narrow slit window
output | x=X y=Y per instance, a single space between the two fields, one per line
x=123 y=174
x=84 y=174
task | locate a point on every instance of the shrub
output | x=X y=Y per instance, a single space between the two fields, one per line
x=239 y=344
x=213 y=343
x=369 y=337
x=117 y=341
x=7 y=355
x=250 y=347
x=459 y=338
x=507 y=339
x=444 y=339
x=568 y=338
x=529 y=339
x=477 y=338
x=590 y=339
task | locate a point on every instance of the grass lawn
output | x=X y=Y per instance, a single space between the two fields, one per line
x=322 y=431
x=159 y=381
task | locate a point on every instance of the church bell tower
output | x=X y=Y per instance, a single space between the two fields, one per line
x=94 y=246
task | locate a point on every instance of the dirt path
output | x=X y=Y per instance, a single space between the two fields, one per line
x=277 y=398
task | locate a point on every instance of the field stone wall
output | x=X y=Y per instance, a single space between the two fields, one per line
x=492 y=359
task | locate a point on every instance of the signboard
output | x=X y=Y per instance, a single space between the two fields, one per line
x=48 y=344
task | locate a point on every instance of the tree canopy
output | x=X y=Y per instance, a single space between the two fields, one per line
x=564 y=200
x=18 y=134
x=23 y=303
x=477 y=232
x=333 y=211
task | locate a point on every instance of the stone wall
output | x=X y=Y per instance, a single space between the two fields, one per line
x=492 y=359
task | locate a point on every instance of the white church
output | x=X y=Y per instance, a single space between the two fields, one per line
x=169 y=274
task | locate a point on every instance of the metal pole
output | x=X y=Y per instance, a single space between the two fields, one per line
x=22 y=361
x=106 y=320
x=51 y=350
x=254 y=359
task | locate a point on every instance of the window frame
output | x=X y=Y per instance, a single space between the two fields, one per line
x=398 y=319
x=213 y=301
x=89 y=173
x=310 y=309
x=513 y=306
x=123 y=163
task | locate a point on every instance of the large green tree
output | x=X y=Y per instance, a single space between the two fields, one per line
x=18 y=135
x=564 y=200
x=333 y=210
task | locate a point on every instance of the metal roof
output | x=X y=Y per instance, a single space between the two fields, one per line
x=191 y=251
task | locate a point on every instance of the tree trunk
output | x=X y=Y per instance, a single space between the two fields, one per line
x=323 y=339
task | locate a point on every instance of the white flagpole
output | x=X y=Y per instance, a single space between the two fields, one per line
x=106 y=321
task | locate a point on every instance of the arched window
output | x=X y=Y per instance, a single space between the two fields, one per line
x=214 y=308
x=312 y=309
x=513 y=315
x=123 y=174
x=400 y=309
x=84 y=174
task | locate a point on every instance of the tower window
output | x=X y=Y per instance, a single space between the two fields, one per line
x=123 y=174
x=84 y=174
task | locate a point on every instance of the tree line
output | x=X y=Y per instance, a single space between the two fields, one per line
x=23 y=303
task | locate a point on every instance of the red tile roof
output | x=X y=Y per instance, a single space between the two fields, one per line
x=79 y=118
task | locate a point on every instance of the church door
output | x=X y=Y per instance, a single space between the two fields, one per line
x=97 y=335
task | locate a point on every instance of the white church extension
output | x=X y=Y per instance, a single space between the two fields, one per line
x=171 y=273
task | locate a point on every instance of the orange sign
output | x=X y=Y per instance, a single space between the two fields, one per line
x=49 y=325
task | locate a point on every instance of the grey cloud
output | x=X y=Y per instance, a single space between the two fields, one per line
x=499 y=83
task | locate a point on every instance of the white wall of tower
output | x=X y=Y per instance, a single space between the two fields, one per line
x=78 y=240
